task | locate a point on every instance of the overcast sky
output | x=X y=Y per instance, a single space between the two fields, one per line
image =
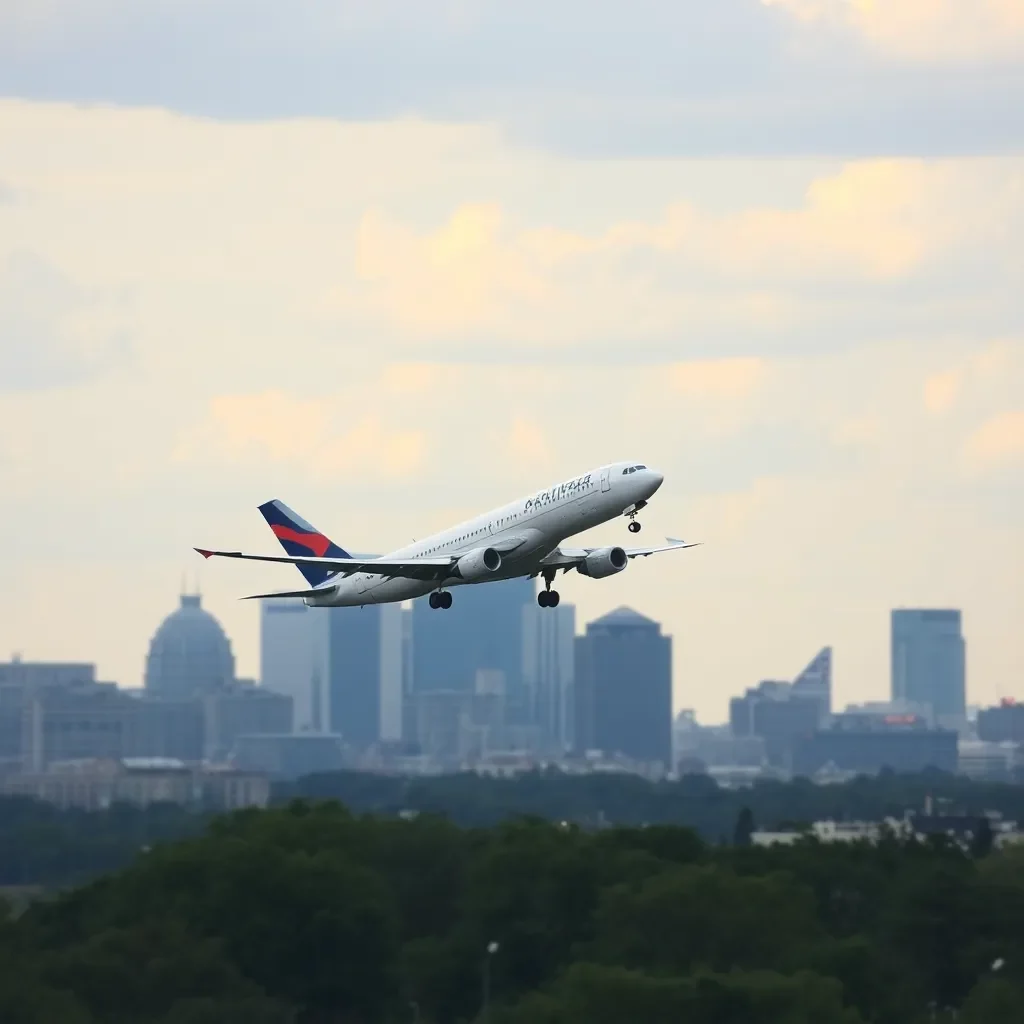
x=397 y=263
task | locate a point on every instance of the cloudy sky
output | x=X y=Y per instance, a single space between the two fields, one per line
x=399 y=262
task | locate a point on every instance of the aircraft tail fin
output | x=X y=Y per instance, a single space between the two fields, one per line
x=299 y=538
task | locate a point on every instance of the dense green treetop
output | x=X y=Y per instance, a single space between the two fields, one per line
x=312 y=914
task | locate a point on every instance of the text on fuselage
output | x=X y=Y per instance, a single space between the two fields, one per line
x=557 y=493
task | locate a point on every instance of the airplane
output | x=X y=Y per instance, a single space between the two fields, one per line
x=523 y=538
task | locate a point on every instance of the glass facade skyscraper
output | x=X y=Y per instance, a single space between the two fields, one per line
x=482 y=630
x=928 y=661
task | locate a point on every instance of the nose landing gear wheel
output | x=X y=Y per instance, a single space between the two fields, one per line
x=634 y=527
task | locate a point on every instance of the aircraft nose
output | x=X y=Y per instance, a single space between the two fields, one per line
x=656 y=479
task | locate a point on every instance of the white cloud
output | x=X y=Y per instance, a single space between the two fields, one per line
x=657 y=77
x=275 y=427
x=761 y=331
x=922 y=30
x=998 y=441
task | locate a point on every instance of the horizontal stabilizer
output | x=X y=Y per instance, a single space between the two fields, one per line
x=317 y=592
x=407 y=568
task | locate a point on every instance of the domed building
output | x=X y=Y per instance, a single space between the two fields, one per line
x=190 y=653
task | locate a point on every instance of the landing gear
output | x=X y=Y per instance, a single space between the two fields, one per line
x=440 y=599
x=630 y=513
x=548 y=598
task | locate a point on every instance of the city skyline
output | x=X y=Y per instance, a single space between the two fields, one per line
x=315 y=637
x=771 y=248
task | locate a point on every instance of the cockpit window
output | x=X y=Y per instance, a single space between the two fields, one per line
x=641 y=467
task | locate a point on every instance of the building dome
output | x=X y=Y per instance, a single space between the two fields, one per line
x=189 y=653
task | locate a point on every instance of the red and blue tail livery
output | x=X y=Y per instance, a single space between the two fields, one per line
x=299 y=538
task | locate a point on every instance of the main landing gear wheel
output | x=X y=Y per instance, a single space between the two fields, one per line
x=548 y=598
x=634 y=527
x=440 y=599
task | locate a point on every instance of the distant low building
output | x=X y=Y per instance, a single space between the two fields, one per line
x=289 y=755
x=98 y=783
x=961 y=828
x=867 y=744
x=1002 y=724
x=991 y=762
x=242 y=710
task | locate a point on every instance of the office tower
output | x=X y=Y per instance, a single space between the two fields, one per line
x=482 y=630
x=928 y=662
x=815 y=683
x=408 y=685
x=189 y=653
x=292 y=658
x=548 y=662
x=774 y=712
x=623 y=688
x=364 y=673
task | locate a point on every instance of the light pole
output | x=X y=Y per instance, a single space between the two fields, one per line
x=492 y=948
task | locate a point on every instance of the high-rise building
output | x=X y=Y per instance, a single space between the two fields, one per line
x=293 y=659
x=548 y=664
x=815 y=683
x=364 y=673
x=773 y=711
x=482 y=630
x=623 y=688
x=928 y=662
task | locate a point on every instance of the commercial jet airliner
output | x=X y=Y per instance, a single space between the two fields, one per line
x=523 y=538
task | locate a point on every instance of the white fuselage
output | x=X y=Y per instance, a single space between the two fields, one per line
x=523 y=532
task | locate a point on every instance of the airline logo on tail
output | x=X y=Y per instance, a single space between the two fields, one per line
x=299 y=538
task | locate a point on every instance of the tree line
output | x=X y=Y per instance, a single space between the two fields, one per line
x=312 y=914
x=41 y=845
x=694 y=801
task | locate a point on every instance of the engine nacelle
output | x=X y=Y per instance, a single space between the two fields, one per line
x=478 y=564
x=603 y=562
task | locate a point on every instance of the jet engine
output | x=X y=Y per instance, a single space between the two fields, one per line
x=603 y=562
x=478 y=564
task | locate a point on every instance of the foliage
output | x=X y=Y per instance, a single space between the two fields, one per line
x=311 y=914
x=694 y=801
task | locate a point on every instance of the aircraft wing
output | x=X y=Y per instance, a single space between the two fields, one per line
x=569 y=558
x=408 y=568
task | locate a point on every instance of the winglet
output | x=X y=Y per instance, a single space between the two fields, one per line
x=204 y=553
